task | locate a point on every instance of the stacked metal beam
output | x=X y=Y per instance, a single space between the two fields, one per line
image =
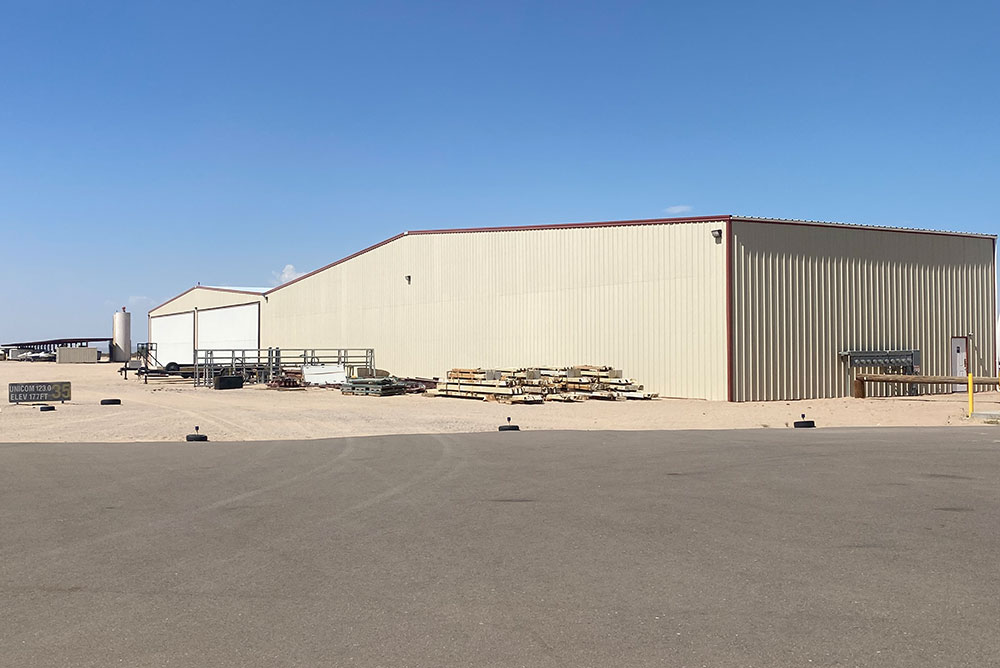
x=538 y=384
x=489 y=385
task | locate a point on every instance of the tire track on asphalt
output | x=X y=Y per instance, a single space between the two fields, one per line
x=446 y=448
x=446 y=460
x=175 y=519
x=446 y=457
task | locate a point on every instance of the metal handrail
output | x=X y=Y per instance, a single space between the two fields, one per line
x=264 y=364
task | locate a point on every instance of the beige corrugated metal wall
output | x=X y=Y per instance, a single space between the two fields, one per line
x=801 y=294
x=649 y=299
x=203 y=297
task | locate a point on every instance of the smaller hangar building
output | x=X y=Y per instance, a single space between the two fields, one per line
x=206 y=317
x=717 y=307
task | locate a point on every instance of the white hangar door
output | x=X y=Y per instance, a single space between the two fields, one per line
x=229 y=328
x=174 y=338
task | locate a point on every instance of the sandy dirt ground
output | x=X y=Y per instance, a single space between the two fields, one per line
x=167 y=410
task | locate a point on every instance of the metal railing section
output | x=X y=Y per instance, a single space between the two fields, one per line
x=264 y=364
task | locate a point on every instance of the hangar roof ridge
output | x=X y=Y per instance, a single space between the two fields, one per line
x=245 y=291
x=860 y=226
x=234 y=288
x=573 y=226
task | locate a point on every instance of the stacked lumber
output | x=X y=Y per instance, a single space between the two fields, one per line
x=538 y=384
x=373 y=387
x=478 y=384
x=580 y=383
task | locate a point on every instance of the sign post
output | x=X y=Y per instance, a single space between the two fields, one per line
x=24 y=393
x=972 y=404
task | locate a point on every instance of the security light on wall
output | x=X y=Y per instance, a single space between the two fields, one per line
x=717 y=235
x=407 y=277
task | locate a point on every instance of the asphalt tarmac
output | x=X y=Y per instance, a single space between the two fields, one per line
x=864 y=547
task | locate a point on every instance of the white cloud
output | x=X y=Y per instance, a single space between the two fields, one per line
x=136 y=300
x=678 y=209
x=287 y=274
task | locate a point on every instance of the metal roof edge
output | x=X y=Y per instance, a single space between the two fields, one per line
x=254 y=290
x=334 y=264
x=860 y=226
x=570 y=226
x=205 y=287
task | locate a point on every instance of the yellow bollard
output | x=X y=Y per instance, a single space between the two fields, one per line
x=971 y=402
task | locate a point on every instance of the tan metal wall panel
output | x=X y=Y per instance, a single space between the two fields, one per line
x=67 y=355
x=649 y=299
x=201 y=298
x=802 y=293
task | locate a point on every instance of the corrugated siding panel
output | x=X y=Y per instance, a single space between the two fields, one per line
x=648 y=299
x=802 y=294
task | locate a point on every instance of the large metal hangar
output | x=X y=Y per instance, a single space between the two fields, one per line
x=718 y=307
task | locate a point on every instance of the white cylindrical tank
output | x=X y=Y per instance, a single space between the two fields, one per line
x=121 y=337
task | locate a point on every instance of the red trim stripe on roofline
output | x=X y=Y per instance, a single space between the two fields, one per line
x=205 y=287
x=334 y=264
x=573 y=226
x=856 y=226
x=520 y=228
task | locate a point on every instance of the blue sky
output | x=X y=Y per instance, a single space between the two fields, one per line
x=147 y=146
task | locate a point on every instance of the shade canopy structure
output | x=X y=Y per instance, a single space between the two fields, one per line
x=49 y=345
